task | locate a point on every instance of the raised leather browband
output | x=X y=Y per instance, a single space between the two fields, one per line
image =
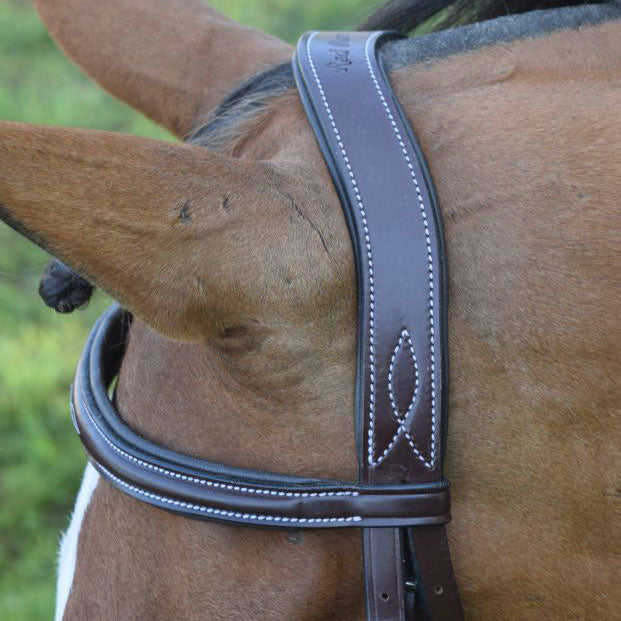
x=402 y=499
x=196 y=487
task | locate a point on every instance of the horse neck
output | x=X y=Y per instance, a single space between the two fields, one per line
x=522 y=140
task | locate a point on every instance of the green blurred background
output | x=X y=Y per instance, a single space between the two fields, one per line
x=41 y=460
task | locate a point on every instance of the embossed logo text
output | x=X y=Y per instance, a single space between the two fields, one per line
x=340 y=53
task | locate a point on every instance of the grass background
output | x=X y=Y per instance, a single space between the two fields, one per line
x=41 y=460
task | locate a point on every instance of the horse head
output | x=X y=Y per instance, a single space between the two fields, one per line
x=232 y=252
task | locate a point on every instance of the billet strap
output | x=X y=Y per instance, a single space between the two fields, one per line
x=199 y=488
x=387 y=196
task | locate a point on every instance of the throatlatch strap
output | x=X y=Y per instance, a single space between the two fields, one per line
x=387 y=196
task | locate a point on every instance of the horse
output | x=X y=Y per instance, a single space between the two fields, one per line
x=232 y=252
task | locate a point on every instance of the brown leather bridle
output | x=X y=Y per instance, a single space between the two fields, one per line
x=401 y=501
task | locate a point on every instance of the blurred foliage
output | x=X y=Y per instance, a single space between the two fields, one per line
x=41 y=460
x=288 y=19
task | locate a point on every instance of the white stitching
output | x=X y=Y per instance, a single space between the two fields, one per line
x=371 y=440
x=429 y=258
x=405 y=336
x=371 y=432
x=223 y=512
x=401 y=419
x=208 y=483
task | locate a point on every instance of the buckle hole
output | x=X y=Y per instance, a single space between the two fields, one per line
x=439 y=590
x=385 y=596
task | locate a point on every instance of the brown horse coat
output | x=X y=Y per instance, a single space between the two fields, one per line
x=240 y=270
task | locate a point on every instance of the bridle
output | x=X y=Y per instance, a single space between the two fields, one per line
x=401 y=501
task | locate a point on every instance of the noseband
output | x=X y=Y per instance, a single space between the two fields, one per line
x=401 y=501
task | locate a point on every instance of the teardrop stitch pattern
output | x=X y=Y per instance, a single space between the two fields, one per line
x=402 y=418
x=405 y=336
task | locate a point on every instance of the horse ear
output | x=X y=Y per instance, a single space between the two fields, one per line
x=142 y=219
x=173 y=60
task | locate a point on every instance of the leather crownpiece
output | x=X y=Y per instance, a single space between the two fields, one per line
x=388 y=199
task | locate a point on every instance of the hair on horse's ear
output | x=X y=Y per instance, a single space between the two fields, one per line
x=172 y=60
x=131 y=215
x=63 y=289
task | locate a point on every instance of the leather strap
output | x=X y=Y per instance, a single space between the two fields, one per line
x=383 y=553
x=199 y=488
x=387 y=195
x=437 y=596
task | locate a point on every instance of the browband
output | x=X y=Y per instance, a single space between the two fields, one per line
x=196 y=487
x=402 y=498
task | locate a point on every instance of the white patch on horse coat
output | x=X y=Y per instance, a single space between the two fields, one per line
x=69 y=544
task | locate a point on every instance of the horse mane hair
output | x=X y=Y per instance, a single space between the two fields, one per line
x=64 y=290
